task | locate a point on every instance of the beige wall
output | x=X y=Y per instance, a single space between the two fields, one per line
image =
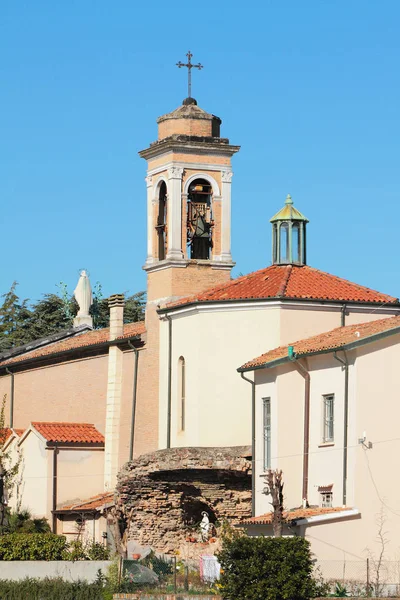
x=215 y=341
x=372 y=485
x=79 y=474
x=36 y=476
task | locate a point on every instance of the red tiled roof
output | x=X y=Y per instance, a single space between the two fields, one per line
x=294 y=514
x=93 y=503
x=98 y=336
x=69 y=433
x=329 y=340
x=7 y=432
x=290 y=281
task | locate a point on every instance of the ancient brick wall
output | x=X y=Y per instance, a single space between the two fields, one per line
x=162 y=495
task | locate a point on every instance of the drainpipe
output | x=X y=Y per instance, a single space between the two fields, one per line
x=253 y=444
x=135 y=380
x=169 y=319
x=306 y=444
x=345 y=364
x=11 y=398
x=343 y=316
x=54 y=502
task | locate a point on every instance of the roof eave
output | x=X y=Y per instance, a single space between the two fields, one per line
x=350 y=346
x=167 y=309
x=70 y=351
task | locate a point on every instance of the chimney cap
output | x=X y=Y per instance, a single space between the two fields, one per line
x=116 y=300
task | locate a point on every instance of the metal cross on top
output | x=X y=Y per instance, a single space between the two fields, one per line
x=189 y=67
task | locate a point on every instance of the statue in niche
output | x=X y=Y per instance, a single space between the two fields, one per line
x=205 y=526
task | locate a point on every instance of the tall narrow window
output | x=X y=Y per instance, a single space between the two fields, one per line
x=267 y=432
x=182 y=393
x=161 y=226
x=328 y=417
x=284 y=243
x=296 y=251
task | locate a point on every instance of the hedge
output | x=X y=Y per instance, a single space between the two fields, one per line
x=32 y=546
x=52 y=589
x=266 y=568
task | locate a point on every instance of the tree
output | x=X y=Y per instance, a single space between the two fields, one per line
x=21 y=322
x=8 y=470
x=267 y=568
x=274 y=488
x=14 y=318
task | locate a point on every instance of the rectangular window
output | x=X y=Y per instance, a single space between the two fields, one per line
x=267 y=432
x=328 y=419
x=326 y=499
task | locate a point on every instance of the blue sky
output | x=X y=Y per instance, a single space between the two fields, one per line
x=310 y=90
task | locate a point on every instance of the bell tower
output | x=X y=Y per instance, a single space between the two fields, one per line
x=188 y=204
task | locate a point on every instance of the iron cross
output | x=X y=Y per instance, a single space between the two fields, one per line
x=189 y=67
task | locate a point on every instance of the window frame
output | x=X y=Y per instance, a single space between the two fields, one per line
x=323 y=497
x=328 y=418
x=267 y=433
x=182 y=392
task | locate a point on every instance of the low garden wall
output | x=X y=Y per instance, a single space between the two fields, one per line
x=85 y=570
x=164 y=597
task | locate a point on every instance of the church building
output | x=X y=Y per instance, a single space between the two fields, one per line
x=171 y=382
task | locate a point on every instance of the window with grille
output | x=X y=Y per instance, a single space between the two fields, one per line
x=328 y=420
x=326 y=499
x=267 y=432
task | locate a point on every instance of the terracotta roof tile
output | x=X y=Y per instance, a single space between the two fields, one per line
x=69 y=433
x=329 y=340
x=7 y=432
x=290 y=281
x=97 y=336
x=294 y=514
x=92 y=503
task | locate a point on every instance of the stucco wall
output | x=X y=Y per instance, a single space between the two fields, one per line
x=36 y=476
x=372 y=483
x=218 y=401
x=79 y=473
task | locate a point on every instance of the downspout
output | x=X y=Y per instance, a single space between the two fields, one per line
x=54 y=502
x=169 y=402
x=306 y=443
x=11 y=398
x=253 y=444
x=343 y=316
x=135 y=381
x=345 y=364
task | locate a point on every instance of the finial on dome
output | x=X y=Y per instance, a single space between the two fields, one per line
x=288 y=199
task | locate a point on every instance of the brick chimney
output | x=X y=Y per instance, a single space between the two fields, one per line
x=114 y=393
x=116 y=305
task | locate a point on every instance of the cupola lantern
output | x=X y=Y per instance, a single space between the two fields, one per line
x=289 y=236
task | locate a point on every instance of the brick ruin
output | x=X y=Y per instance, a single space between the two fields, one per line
x=161 y=496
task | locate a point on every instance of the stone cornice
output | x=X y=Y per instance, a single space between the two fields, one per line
x=192 y=145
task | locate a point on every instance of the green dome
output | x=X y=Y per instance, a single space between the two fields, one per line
x=289 y=212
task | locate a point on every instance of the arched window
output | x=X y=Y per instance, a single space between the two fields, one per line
x=162 y=222
x=181 y=393
x=199 y=219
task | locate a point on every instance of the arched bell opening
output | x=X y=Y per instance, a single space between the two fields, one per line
x=199 y=219
x=161 y=226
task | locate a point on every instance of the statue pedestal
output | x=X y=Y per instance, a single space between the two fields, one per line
x=84 y=320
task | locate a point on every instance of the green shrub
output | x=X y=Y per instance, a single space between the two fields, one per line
x=266 y=568
x=32 y=546
x=51 y=589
